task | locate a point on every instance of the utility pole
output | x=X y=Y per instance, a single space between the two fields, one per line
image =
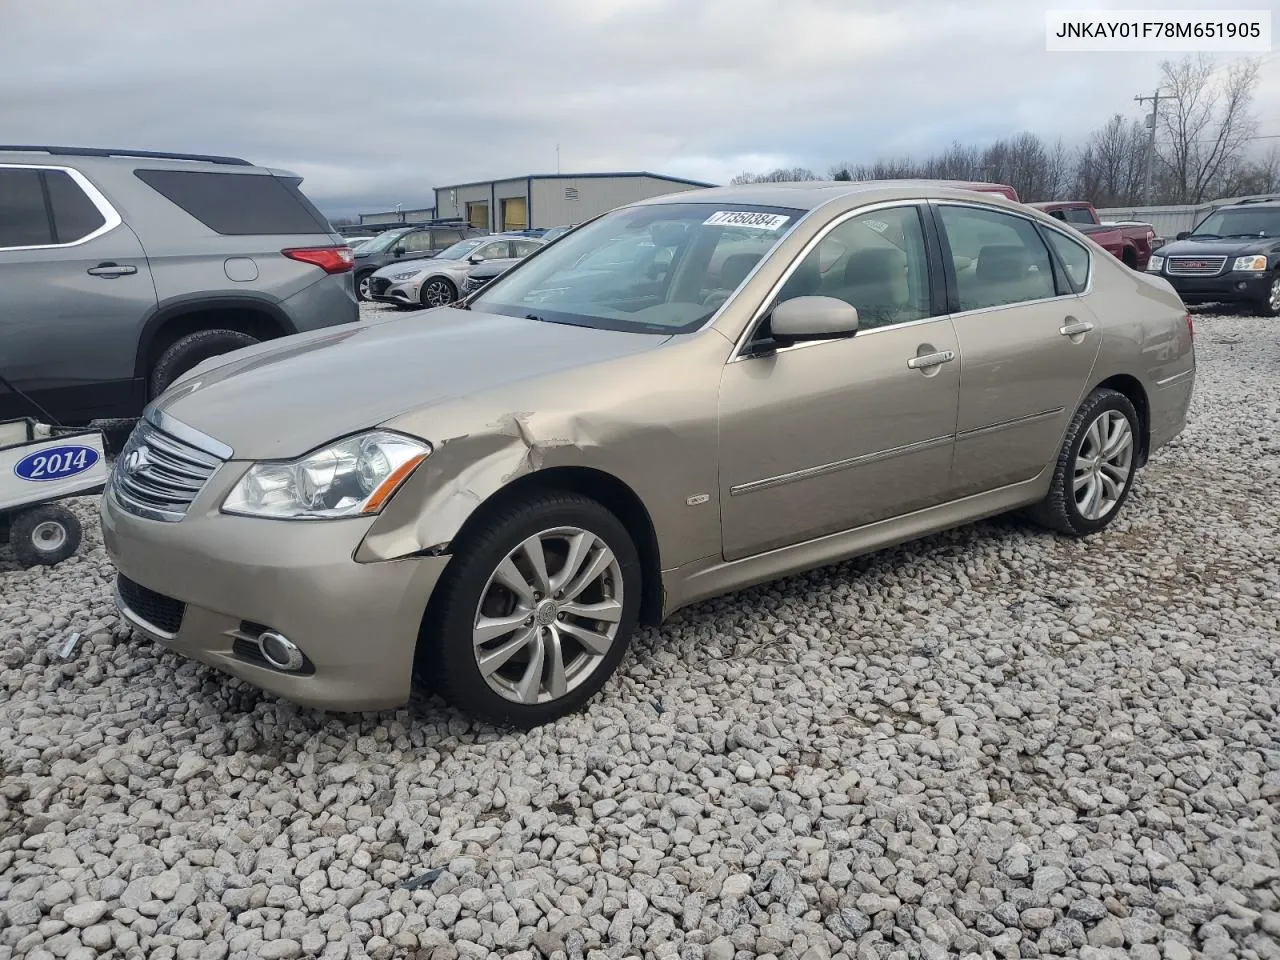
x=1151 y=139
x=557 y=158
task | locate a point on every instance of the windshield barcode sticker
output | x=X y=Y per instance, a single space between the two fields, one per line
x=745 y=218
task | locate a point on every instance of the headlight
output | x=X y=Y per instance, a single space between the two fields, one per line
x=1155 y=264
x=348 y=478
x=399 y=277
x=1250 y=263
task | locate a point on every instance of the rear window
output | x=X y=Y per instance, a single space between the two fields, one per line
x=24 y=220
x=74 y=214
x=238 y=204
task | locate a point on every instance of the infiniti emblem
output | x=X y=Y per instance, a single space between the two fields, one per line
x=137 y=461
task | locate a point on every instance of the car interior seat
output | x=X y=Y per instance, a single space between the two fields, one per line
x=875 y=281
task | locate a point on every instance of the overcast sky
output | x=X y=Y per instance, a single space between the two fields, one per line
x=375 y=102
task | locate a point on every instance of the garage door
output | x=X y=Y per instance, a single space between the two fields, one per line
x=478 y=215
x=515 y=213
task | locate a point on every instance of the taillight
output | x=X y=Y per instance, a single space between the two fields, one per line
x=1191 y=327
x=328 y=259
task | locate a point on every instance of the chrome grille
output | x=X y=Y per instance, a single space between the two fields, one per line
x=158 y=475
x=1195 y=266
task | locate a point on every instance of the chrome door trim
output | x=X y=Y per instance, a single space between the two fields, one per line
x=111 y=219
x=1004 y=424
x=1076 y=329
x=809 y=473
x=931 y=360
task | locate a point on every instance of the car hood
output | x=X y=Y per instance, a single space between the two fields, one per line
x=283 y=398
x=1228 y=247
x=408 y=264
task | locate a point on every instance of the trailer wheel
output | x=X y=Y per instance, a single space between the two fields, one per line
x=43 y=536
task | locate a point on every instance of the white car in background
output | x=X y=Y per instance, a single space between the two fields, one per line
x=438 y=281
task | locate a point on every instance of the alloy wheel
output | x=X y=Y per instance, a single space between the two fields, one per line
x=365 y=287
x=1274 y=300
x=548 y=615
x=437 y=293
x=1103 y=465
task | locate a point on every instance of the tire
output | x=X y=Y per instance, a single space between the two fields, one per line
x=437 y=292
x=362 y=286
x=43 y=536
x=448 y=661
x=1063 y=510
x=1270 y=306
x=187 y=351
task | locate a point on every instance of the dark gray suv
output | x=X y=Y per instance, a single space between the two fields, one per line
x=120 y=270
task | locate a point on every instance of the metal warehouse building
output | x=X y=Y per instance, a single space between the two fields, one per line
x=551 y=199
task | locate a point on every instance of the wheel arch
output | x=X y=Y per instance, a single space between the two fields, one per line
x=255 y=316
x=1132 y=388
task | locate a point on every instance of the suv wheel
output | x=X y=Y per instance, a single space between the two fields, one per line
x=438 y=292
x=363 y=284
x=535 y=612
x=187 y=351
x=1095 y=467
x=1270 y=305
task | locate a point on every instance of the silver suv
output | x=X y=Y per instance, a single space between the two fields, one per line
x=122 y=270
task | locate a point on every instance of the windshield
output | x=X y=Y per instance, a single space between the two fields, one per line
x=658 y=268
x=555 y=232
x=1263 y=222
x=383 y=241
x=460 y=249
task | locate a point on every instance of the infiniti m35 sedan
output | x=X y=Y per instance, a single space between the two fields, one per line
x=685 y=396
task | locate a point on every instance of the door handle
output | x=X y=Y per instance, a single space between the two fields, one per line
x=1076 y=329
x=112 y=270
x=931 y=359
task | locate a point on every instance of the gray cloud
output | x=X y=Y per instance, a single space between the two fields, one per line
x=453 y=92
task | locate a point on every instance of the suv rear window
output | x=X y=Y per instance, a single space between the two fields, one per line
x=44 y=207
x=238 y=204
x=74 y=215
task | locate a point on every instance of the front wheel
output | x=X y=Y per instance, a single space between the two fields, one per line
x=364 y=287
x=45 y=535
x=1270 y=305
x=438 y=292
x=534 y=613
x=1095 y=467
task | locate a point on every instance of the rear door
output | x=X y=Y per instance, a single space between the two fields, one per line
x=1027 y=341
x=75 y=289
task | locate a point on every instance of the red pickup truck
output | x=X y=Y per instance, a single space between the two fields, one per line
x=1130 y=243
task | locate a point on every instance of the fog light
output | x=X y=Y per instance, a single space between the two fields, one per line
x=279 y=651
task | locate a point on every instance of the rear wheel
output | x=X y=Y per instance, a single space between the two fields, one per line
x=187 y=351
x=437 y=292
x=535 y=612
x=364 y=284
x=1270 y=305
x=1095 y=467
x=45 y=535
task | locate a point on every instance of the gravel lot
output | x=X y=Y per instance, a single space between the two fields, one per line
x=993 y=743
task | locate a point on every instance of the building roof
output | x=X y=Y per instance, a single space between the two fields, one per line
x=577 y=176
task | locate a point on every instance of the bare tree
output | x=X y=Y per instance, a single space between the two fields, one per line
x=1110 y=167
x=1205 y=125
x=780 y=175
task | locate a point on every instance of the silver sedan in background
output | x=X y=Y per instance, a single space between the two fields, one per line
x=439 y=281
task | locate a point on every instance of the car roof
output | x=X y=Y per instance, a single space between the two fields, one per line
x=811 y=194
x=129 y=159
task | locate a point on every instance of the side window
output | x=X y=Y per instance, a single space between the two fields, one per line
x=876 y=262
x=446 y=238
x=999 y=259
x=74 y=215
x=1074 y=257
x=523 y=247
x=416 y=242
x=24 y=221
x=494 y=251
x=1079 y=215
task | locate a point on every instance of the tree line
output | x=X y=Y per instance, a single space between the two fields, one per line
x=1205 y=148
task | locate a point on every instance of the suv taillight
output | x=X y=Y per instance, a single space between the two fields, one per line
x=328 y=259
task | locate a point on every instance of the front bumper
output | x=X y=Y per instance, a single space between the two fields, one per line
x=1230 y=287
x=208 y=584
x=402 y=293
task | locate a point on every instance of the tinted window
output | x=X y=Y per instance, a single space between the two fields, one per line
x=1241 y=222
x=417 y=242
x=238 y=204
x=525 y=247
x=1074 y=257
x=999 y=259
x=24 y=219
x=445 y=238
x=1077 y=215
x=876 y=262
x=74 y=215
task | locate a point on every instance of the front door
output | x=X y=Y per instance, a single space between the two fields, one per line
x=1028 y=341
x=75 y=290
x=830 y=435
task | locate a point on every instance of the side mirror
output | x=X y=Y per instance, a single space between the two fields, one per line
x=1184 y=234
x=812 y=318
x=398 y=251
x=475 y=258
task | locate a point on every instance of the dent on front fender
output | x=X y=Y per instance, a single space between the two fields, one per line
x=462 y=472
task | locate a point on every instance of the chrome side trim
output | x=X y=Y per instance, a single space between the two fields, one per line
x=1003 y=424
x=142 y=626
x=1175 y=378
x=111 y=219
x=176 y=428
x=809 y=473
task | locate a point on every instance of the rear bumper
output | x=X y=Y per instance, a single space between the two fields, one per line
x=329 y=301
x=1231 y=287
